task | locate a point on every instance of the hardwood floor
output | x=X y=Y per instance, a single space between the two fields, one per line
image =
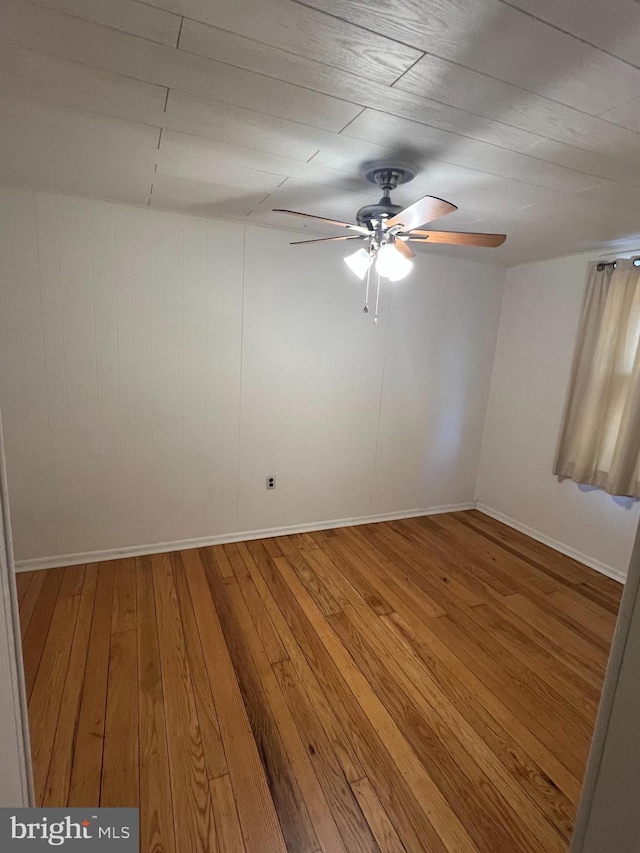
x=420 y=685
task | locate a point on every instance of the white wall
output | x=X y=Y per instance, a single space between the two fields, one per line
x=540 y=314
x=156 y=367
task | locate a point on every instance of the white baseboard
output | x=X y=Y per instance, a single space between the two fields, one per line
x=603 y=568
x=222 y=539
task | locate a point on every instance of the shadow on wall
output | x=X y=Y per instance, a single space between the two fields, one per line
x=446 y=353
x=622 y=501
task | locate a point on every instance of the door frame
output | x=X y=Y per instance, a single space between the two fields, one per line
x=609 y=801
x=16 y=780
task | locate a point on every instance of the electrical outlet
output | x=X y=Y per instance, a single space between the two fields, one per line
x=271 y=482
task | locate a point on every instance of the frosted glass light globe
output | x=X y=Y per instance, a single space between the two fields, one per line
x=391 y=264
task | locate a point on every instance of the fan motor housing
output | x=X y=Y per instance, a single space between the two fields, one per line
x=384 y=209
x=387 y=175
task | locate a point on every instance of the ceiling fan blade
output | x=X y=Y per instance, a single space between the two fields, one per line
x=424 y=210
x=405 y=250
x=328 y=239
x=359 y=228
x=458 y=238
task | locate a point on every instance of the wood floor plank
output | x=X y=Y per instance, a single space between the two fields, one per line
x=156 y=803
x=511 y=623
x=378 y=820
x=604 y=584
x=571 y=613
x=56 y=790
x=221 y=555
x=406 y=595
x=35 y=635
x=46 y=696
x=261 y=619
x=285 y=787
x=456 y=565
x=72 y=580
x=482 y=794
x=524 y=682
x=455 y=538
x=601 y=608
x=490 y=553
x=320 y=594
x=29 y=601
x=410 y=821
x=426 y=685
x=270 y=546
x=288 y=545
x=601 y=621
x=120 y=769
x=450 y=675
x=577 y=646
x=539 y=707
x=23 y=579
x=436 y=654
x=320 y=537
x=342 y=804
x=519 y=680
x=86 y=771
x=444 y=821
x=396 y=674
x=357 y=572
x=438 y=580
x=226 y=814
x=338 y=736
x=606 y=598
x=192 y=808
x=583 y=696
x=124 y=596
x=308 y=542
x=256 y=812
x=542 y=557
x=205 y=705
x=120 y=763
x=523 y=756
x=298 y=752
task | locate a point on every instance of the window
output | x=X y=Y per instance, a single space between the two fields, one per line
x=600 y=436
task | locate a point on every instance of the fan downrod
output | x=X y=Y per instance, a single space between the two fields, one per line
x=386 y=175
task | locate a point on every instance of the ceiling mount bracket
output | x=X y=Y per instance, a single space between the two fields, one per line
x=388 y=174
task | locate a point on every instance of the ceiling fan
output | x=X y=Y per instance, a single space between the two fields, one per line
x=387 y=228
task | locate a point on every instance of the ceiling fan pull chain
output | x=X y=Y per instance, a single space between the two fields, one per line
x=365 y=310
x=375 y=318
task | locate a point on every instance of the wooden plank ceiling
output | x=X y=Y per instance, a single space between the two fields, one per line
x=526 y=113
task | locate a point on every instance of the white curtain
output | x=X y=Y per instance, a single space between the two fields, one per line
x=600 y=436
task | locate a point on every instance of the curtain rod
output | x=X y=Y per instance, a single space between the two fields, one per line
x=602 y=264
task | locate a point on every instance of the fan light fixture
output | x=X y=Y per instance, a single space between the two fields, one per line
x=391 y=264
x=388 y=229
x=359 y=262
x=387 y=261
